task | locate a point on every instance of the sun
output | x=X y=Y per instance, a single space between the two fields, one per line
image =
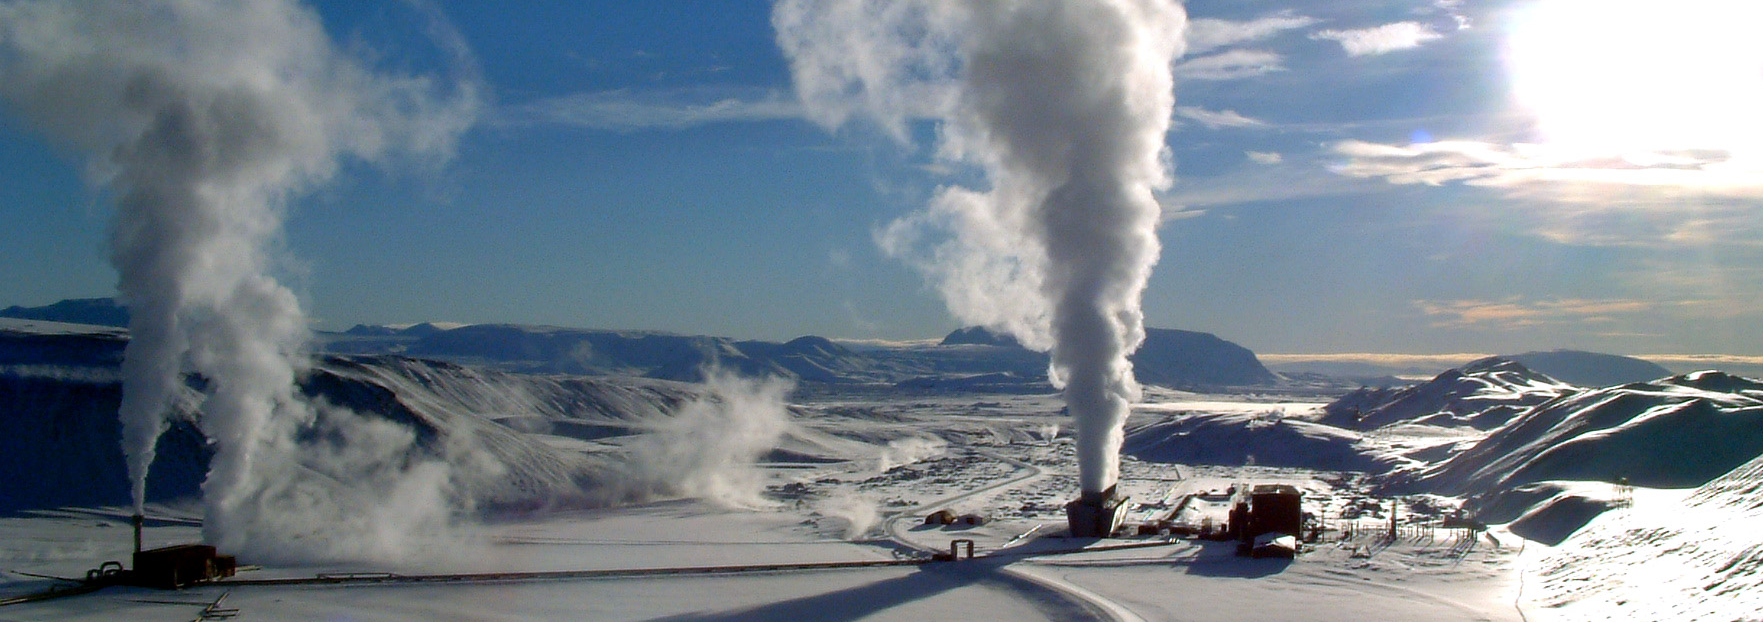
x=1633 y=77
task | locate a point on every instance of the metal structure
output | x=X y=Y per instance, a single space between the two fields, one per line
x=1265 y=513
x=1096 y=515
x=180 y=566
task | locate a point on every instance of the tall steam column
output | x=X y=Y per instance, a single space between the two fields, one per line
x=1065 y=107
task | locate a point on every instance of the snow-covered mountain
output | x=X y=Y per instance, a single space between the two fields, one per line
x=1171 y=358
x=1590 y=369
x=1168 y=357
x=1483 y=394
x=1237 y=439
x=1676 y=432
x=59 y=392
x=93 y=311
x=1670 y=556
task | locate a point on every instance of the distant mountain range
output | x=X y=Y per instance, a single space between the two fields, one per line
x=1169 y=357
x=93 y=311
x=1544 y=435
x=1173 y=358
x=1590 y=369
x=1482 y=394
x=971 y=358
x=1586 y=369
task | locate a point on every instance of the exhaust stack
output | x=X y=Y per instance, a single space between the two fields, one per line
x=139 y=520
x=1096 y=515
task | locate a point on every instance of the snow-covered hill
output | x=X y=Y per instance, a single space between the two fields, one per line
x=1590 y=369
x=1672 y=556
x=93 y=311
x=59 y=392
x=548 y=349
x=1677 y=432
x=1170 y=358
x=1265 y=439
x=1483 y=394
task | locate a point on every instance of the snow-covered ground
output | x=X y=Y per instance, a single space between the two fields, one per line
x=591 y=472
x=1000 y=457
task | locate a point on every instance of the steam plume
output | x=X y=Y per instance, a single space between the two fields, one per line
x=1063 y=106
x=711 y=447
x=204 y=118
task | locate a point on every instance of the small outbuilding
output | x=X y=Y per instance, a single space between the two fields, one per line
x=1266 y=511
x=180 y=566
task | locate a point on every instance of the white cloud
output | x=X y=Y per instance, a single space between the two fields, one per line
x=625 y=110
x=1215 y=119
x=1381 y=39
x=1439 y=361
x=1229 y=65
x=1209 y=34
x=1264 y=157
x=1302 y=179
x=1645 y=199
x=1514 y=313
x=1711 y=173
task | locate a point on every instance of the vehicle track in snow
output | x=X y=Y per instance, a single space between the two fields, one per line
x=1095 y=606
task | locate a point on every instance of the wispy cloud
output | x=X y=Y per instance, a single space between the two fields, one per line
x=1206 y=34
x=1301 y=178
x=1695 y=288
x=1712 y=173
x=626 y=110
x=1381 y=39
x=1229 y=65
x=1215 y=119
x=1435 y=361
x=1515 y=313
x=1702 y=361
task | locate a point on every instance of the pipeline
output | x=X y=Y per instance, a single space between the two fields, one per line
x=375 y=578
x=100 y=581
x=54 y=593
x=550 y=575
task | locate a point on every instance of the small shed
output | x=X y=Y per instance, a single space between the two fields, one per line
x=940 y=517
x=1267 y=508
x=175 y=567
x=1276 y=508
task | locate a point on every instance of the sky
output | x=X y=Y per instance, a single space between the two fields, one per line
x=1415 y=176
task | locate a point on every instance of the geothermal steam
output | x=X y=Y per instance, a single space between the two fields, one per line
x=1063 y=106
x=711 y=447
x=203 y=118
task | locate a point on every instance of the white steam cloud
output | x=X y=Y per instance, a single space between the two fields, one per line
x=909 y=450
x=1064 y=107
x=859 y=512
x=204 y=119
x=710 y=448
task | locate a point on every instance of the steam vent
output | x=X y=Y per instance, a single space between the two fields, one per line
x=1095 y=515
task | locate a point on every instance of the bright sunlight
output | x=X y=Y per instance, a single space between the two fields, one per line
x=1639 y=79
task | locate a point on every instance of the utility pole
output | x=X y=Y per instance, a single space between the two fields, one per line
x=1394 y=501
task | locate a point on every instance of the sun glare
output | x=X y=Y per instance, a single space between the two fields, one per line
x=1632 y=77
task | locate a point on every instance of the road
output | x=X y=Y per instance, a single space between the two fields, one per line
x=1097 y=606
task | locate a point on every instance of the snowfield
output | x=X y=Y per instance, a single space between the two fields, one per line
x=845 y=481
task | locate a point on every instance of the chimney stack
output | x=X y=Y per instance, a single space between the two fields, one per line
x=138 y=520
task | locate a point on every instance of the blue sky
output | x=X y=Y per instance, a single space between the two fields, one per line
x=1366 y=176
